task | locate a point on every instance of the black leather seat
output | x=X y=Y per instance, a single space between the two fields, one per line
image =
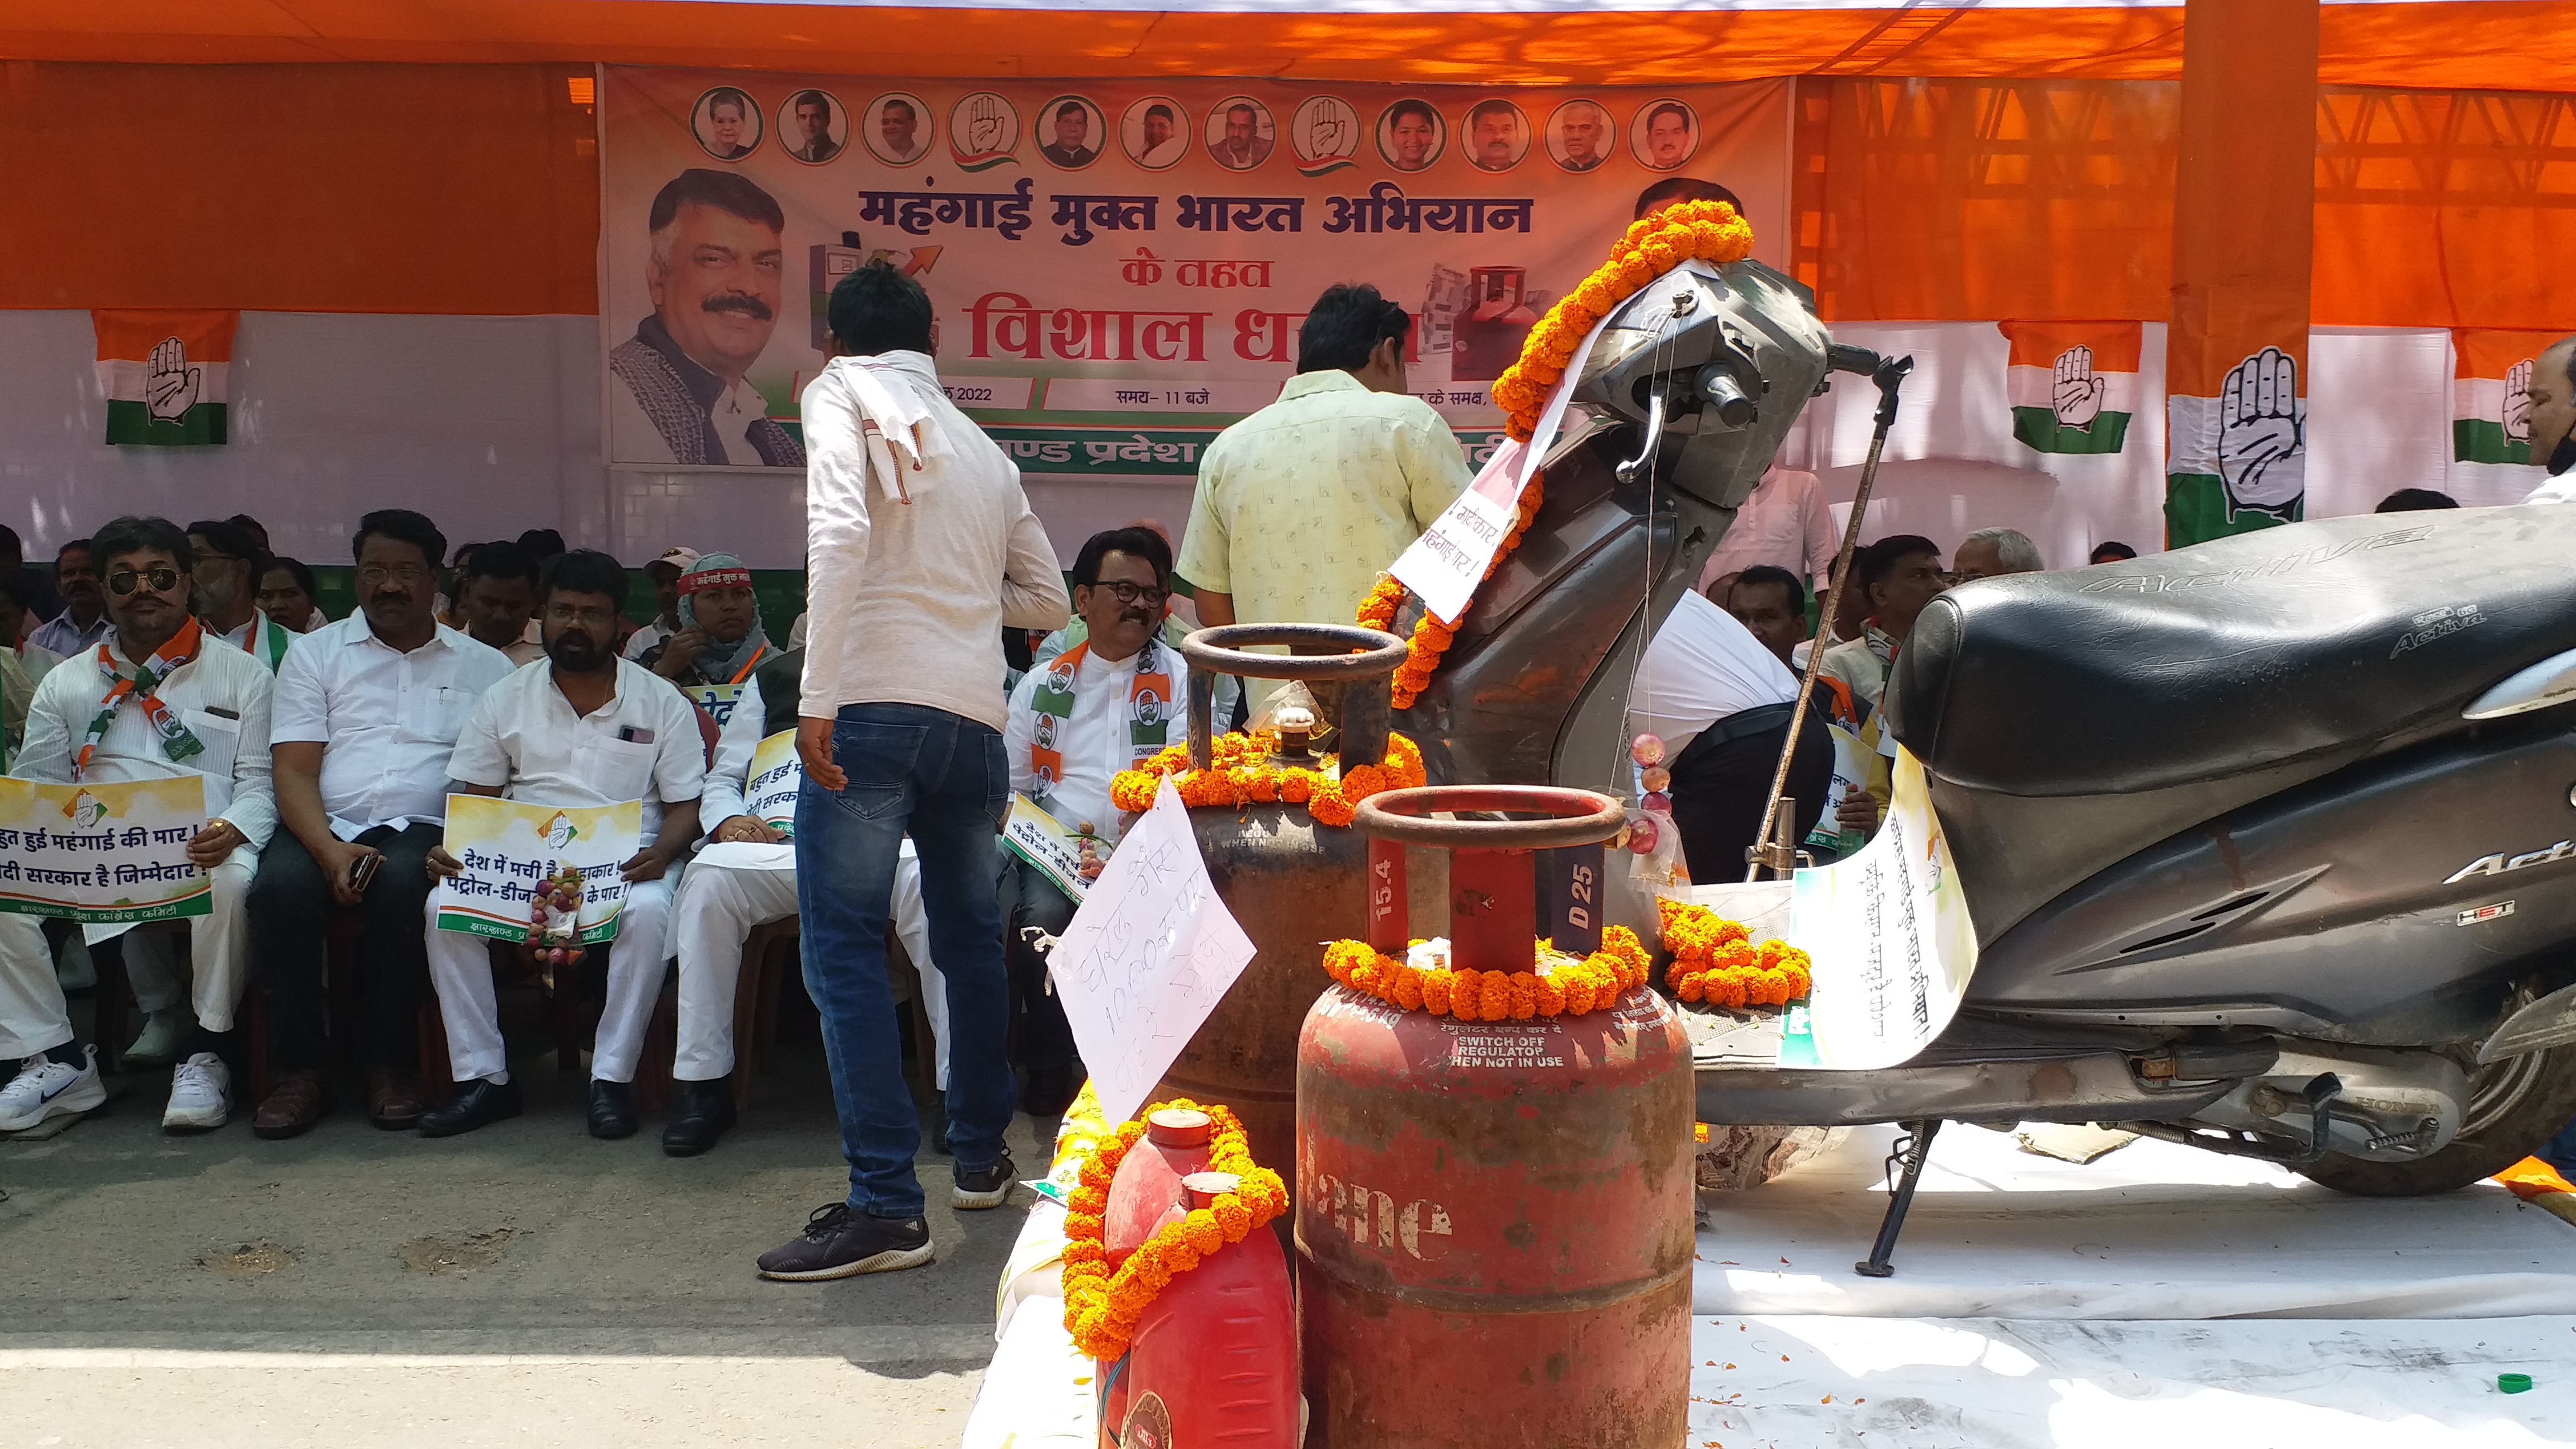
x=2254 y=651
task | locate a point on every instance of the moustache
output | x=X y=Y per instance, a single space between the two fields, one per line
x=748 y=305
x=1134 y=616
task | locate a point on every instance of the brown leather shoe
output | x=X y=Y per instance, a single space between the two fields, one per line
x=299 y=1100
x=394 y=1100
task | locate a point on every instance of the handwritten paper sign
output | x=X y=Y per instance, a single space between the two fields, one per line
x=1146 y=958
x=717 y=700
x=103 y=854
x=1040 y=839
x=507 y=846
x=776 y=776
x=1890 y=938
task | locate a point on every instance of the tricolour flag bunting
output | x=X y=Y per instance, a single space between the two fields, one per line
x=2491 y=393
x=2073 y=385
x=164 y=374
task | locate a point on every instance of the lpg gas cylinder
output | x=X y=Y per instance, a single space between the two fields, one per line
x=1214 y=1358
x=1494 y=1216
x=1146 y=1190
x=1290 y=883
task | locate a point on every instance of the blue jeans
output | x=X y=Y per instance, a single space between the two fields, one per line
x=941 y=779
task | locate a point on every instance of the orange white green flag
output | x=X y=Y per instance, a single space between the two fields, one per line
x=2073 y=386
x=2491 y=393
x=164 y=374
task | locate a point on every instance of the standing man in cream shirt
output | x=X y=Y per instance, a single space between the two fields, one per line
x=1303 y=504
x=921 y=549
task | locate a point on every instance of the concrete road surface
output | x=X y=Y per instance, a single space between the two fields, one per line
x=522 y=1285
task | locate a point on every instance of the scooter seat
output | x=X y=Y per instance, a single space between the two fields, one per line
x=2234 y=656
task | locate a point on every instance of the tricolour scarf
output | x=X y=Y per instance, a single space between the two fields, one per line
x=177 y=741
x=1149 y=710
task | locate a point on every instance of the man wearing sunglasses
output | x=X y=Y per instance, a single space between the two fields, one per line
x=1100 y=707
x=157 y=699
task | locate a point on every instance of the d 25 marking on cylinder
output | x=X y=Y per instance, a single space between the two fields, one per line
x=1371 y=1219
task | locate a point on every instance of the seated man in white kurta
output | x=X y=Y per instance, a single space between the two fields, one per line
x=158 y=698
x=582 y=728
x=745 y=876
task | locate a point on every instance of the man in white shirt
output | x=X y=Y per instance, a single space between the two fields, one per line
x=1721 y=701
x=1896 y=577
x=2552 y=420
x=922 y=547
x=588 y=729
x=83 y=621
x=368 y=708
x=1102 y=706
x=1785 y=524
x=496 y=597
x=664 y=573
x=159 y=699
x=228 y=565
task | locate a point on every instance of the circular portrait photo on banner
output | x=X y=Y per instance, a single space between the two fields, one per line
x=982 y=129
x=897 y=128
x=1156 y=132
x=726 y=123
x=1071 y=132
x=1240 y=133
x=1578 y=135
x=813 y=126
x=1664 y=135
x=1498 y=135
x=1325 y=134
x=1411 y=135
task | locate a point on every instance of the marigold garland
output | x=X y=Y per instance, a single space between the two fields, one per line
x=1556 y=985
x=1241 y=772
x=1709 y=231
x=1103 y=1300
x=1715 y=960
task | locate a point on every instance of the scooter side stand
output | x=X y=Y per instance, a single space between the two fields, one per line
x=1905 y=1173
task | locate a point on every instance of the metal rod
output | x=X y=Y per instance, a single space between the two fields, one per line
x=1889 y=376
x=1916 y=1149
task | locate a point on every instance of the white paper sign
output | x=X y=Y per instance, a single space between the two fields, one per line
x=1890 y=940
x=1147 y=957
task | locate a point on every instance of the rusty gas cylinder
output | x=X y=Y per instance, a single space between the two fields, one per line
x=1494 y=1217
x=1290 y=883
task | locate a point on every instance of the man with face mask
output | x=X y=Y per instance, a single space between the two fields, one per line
x=2553 y=421
x=589 y=730
x=720 y=640
x=368 y=708
x=717 y=275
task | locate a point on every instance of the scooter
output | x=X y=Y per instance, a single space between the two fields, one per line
x=2270 y=844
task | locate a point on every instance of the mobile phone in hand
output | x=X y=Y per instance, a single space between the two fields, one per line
x=363 y=870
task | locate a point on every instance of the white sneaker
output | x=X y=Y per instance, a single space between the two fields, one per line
x=45 y=1089
x=163 y=1034
x=200 y=1094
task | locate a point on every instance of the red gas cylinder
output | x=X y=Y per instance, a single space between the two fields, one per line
x=1214 y=1360
x=1147 y=1190
x=1494 y=1217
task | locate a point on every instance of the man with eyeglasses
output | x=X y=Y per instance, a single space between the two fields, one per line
x=368 y=710
x=588 y=730
x=157 y=699
x=1100 y=707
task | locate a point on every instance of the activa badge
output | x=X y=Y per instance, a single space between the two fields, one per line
x=2499 y=863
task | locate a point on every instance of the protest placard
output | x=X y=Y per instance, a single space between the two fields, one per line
x=103 y=854
x=776 y=775
x=507 y=847
x=1146 y=958
x=1890 y=940
x=1043 y=841
x=717 y=700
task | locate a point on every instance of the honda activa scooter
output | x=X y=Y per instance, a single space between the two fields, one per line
x=2270 y=844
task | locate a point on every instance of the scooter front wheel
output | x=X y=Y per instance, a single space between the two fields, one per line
x=2515 y=1105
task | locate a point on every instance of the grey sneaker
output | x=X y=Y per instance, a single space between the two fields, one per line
x=839 y=1243
x=984 y=1187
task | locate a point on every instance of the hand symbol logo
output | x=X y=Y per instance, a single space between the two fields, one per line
x=984 y=125
x=2517 y=402
x=1325 y=139
x=2262 y=434
x=170 y=385
x=2076 y=394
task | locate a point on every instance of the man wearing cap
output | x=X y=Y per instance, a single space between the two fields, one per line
x=665 y=573
x=720 y=641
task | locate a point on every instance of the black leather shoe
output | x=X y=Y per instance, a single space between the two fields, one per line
x=701 y=1112
x=612 y=1109
x=480 y=1104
